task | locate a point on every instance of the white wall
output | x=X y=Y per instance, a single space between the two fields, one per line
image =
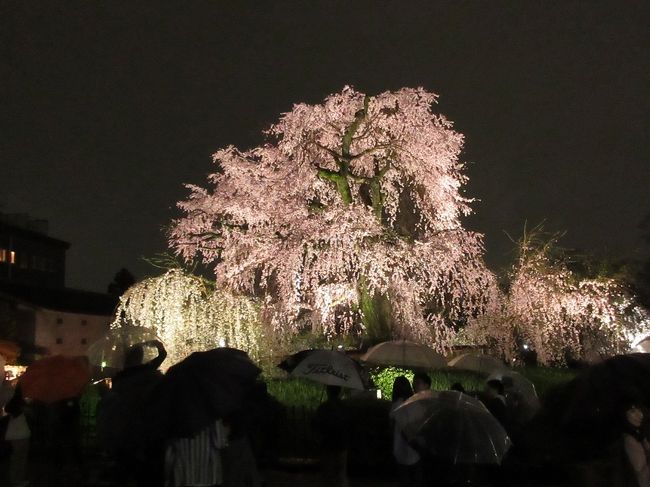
x=75 y=331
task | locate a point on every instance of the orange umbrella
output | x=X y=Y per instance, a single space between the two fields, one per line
x=55 y=378
x=9 y=350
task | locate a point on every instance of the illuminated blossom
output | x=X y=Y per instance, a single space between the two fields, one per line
x=189 y=315
x=358 y=196
x=558 y=315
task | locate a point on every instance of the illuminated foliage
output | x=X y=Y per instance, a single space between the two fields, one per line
x=559 y=315
x=189 y=315
x=354 y=200
x=384 y=377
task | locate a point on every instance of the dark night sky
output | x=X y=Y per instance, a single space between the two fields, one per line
x=108 y=107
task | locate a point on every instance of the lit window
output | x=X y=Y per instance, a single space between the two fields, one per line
x=3 y=255
x=12 y=257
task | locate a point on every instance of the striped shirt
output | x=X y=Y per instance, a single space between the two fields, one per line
x=196 y=461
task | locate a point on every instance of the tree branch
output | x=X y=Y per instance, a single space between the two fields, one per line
x=349 y=133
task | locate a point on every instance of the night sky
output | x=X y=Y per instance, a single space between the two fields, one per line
x=109 y=107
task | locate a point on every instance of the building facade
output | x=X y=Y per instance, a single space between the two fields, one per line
x=28 y=255
x=45 y=321
x=37 y=311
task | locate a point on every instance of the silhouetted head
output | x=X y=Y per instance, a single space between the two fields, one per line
x=333 y=392
x=401 y=388
x=634 y=415
x=421 y=382
x=134 y=356
x=494 y=387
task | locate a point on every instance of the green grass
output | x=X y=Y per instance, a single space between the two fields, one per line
x=303 y=393
x=546 y=378
x=296 y=392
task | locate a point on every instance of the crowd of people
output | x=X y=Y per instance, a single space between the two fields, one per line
x=230 y=451
x=225 y=452
x=417 y=466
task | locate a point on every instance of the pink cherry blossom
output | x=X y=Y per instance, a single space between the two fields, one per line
x=359 y=194
x=558 y=314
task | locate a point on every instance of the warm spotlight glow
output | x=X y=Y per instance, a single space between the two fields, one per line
x=354 y=200
x=189 y=315
x=561 y=315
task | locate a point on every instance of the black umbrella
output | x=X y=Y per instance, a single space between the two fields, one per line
x=200 y=389
x=599 y=393
x=582 y=418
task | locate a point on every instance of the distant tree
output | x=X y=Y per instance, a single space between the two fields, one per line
x=122 y=281
x=559 y=313
x=348 y=219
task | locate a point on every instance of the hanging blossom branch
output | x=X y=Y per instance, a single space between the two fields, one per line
x=558 y=314
x=189 y=315
x=358 y=196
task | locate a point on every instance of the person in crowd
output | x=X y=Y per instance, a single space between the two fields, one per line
x=197 y=461
x=636 y=448
x=331 y=422
x=122 y=417
x=133 y=360
x=6 y=387
x=247 y=427
x=263 y=417
x=18 y=435
x=495 y=401
x=65 y=439
x=408 y=459
x=421 y=382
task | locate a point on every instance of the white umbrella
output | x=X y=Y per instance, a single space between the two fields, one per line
x=477 y=362
x=328 y=367
x=402 y=353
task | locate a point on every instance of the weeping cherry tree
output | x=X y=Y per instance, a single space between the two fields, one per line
x=189 y=314
x=557 y=313
x=352 y=208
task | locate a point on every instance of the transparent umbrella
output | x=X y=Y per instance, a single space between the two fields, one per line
x=521 y=395
x=453 y=426
x=110 y=349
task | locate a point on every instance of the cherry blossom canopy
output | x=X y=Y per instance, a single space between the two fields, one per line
x=351 y=200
